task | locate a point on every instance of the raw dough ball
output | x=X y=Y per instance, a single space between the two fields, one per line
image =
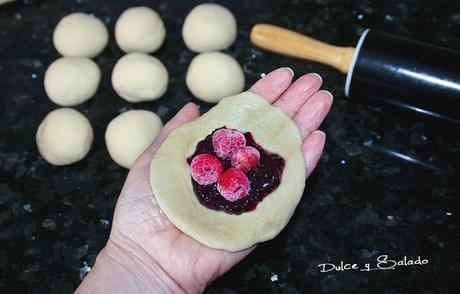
x=129 y=134
x=80 y=35
x=209 y=27
x=212 y=76
x=64 y=136
x=139 y=77
x=139 y=29
x=72 y=80
x=171 y=180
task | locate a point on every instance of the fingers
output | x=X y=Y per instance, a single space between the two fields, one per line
x=188 y=113
x=273 y=84
x=313 y=112
x=292 y=100
x=312 y=148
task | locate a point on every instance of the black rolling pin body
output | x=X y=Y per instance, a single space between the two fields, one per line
x=406 y=73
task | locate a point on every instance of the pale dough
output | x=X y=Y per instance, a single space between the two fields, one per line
x=212 y=76
x=171 y=182
x=129 y=134
x=139 y=29
x=71 y=81
x=80 y=35
x=5 y=1
x=64 y=136
x=209 y=27
x=139 y=77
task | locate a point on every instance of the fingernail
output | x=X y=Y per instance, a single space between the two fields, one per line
x=190 y=103
x=321 y=133
x=319 y=77
x=328 y=93
x=289 y=69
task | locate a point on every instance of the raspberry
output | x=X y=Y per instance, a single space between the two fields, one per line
x=206 y=169
x=245 y=158
x=226 y=142
x=233 y=185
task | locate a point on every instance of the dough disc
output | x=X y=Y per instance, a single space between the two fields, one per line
x=171 y=181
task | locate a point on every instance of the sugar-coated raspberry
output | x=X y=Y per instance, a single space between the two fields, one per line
x=206 y=169
x=226 y=142
x=233 y=185
x=245 y=158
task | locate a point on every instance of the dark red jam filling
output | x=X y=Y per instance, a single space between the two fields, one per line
x=264 y=178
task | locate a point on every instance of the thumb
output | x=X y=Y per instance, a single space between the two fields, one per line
x=187 y=114
x=141 y=167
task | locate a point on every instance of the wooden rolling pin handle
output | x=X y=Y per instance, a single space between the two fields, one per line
x=284 y=41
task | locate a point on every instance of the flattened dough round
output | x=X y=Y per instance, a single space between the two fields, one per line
x=139 y=29
x=64 y=136
x=139 y=77
x=129 y=134
x=212 y=76
x=209 y=27
x=71 y=81
x=80 y=35
x=171 y=182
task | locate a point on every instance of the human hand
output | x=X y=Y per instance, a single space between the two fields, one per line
x=145 y=251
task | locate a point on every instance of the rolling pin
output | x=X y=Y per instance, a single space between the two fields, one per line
x=381 y=68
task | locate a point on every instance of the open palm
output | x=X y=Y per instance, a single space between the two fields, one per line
x=140 y=227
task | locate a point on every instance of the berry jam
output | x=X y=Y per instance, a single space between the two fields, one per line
x=264 y=178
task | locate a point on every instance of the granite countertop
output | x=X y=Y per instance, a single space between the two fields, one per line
x=366 y=199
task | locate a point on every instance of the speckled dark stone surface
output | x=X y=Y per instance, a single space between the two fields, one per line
x=359 y=204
